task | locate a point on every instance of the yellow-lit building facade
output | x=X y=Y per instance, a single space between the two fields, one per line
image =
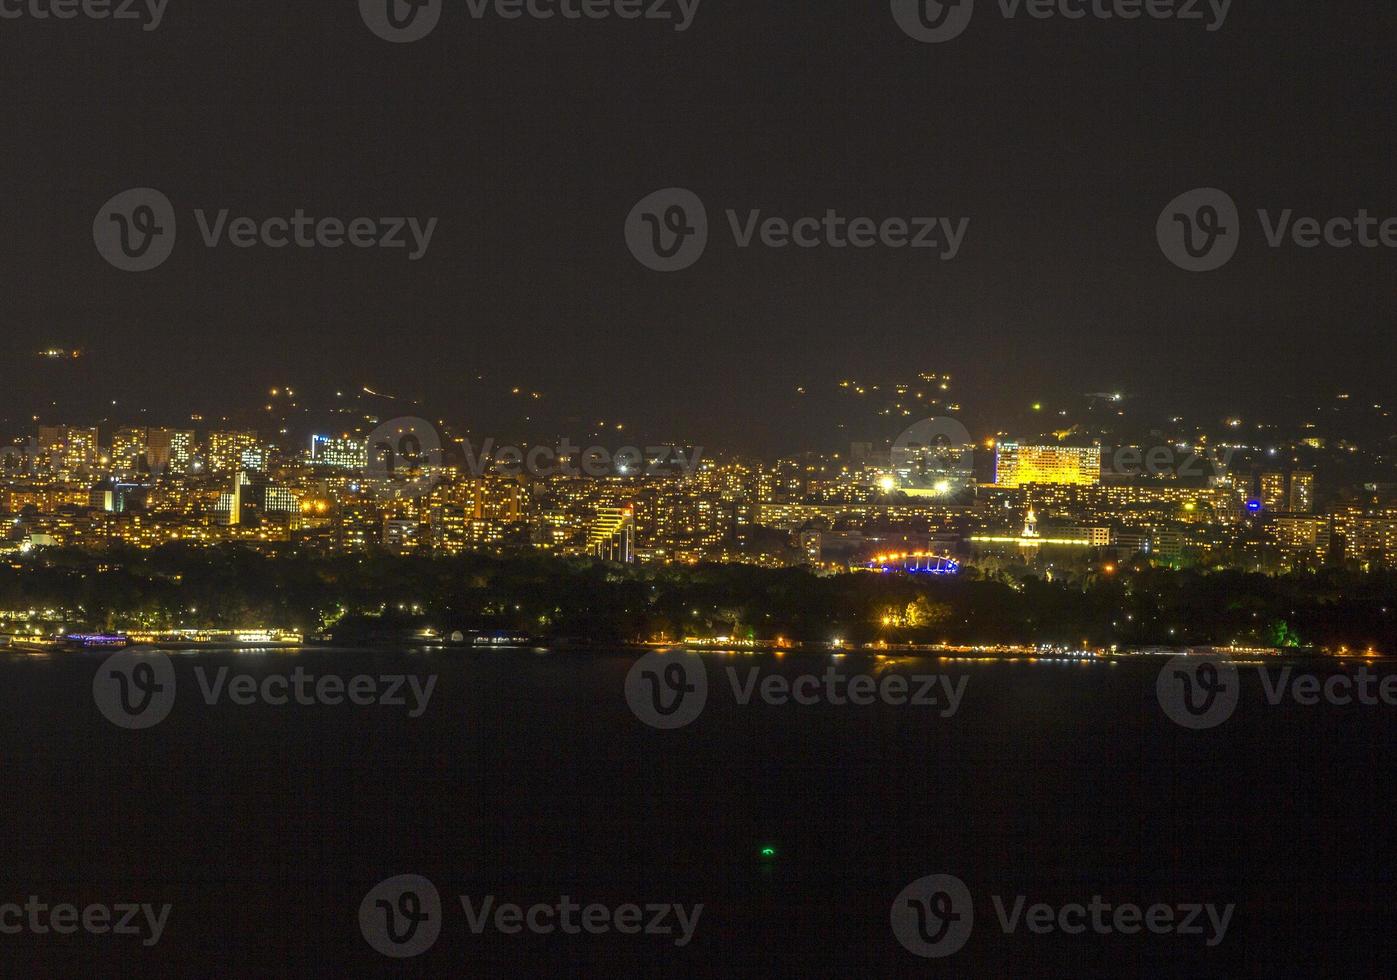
x=1017 y=465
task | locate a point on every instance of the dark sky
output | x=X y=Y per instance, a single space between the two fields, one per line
x=531 y=141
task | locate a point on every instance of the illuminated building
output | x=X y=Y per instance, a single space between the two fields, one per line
x=742 y=520
x=683 y=519
x=310 y=515
x=1017 y=465
x=401 y=536
x=358 y=525
x=1301 y=534
x=246 y=501
x=108 y=497
x=1273 y=497
x=1095 y=537
x=934 y=468
x=179 y=496
x=278 y=500
x=1031 y=537
x=496 y=498
x=128 y=447
x=1127 y=503
x=45 y=500
x=448 y=529
x=1302 y=492
x=793 y=516
x=228 y=451
x=33 y=541
x=70 y=450
x=169 y=450
x=488 y=532
x=345 y=452
x=1130 y=543
x=1372 y=540
x=612 y=536
x=1167 y=545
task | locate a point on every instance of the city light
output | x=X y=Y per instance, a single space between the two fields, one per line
x=1051 y=513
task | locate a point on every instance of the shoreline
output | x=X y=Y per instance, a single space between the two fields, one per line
x=883 y=651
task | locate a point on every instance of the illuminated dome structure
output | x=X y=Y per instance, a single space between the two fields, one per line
x=917 y=563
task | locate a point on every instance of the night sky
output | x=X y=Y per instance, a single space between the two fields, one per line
x=531 y=141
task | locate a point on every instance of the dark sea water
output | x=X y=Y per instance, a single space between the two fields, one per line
x=528 y=777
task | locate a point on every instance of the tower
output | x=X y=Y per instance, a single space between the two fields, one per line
x=1030 y=527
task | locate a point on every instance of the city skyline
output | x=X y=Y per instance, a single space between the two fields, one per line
x=215 y=445
x=1251 y=498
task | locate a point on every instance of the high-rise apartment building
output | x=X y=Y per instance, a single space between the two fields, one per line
x=1302 y=492
x=1017 y=465
x=169 y=450
x=68 y=449
x=1273 y=496
x=128 y=447
x=402 y=536
x=449 y=529
x=229 y=451
x=1372 y=541
x=344 y=452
